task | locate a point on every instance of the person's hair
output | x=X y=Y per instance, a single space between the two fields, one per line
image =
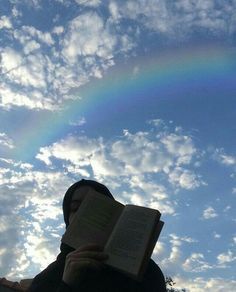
x=69 y=193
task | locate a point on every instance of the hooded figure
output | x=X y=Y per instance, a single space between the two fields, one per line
x=105 y=280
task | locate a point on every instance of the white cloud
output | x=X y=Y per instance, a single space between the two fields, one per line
x=30 y=47
x=5 y=22
x=234 y=239
x=199 y=284
x=196 y=263
x=174 y=260
x=181 y=18
x=6 y=141
x=226 y=257
x=136 y=159
x=102 y=166
x=77 y=151
x=132 y=154
x=149 y=187
x=139 y=154
x=209 y=213
x=24 y=71
x=216 y=235
x=58 y=30
x=15 y=12
x=82 y=49
x=38 y=249
x=224 y=158
x=10 y=59
x=32 y=100
x=228 y=160
x=86 y=36
x=180 y=146
x=44 y=37
x=114 y=10
x=178 y=240
x=185 y=178
x=89 y=3
x=88 y=45
x=35 y=209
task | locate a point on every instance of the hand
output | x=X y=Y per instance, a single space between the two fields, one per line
x=88 y=257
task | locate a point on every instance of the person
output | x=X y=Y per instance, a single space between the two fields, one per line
x=83 y=269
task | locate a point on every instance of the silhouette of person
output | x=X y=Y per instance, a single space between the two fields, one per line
x=83 y=269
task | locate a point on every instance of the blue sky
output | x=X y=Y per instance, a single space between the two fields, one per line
x=139 y=95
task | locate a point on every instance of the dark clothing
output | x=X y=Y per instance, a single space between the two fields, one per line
x=112 y=281
x=106 y=280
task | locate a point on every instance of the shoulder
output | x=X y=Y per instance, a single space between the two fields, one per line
x=154 y=278
x=154 y=268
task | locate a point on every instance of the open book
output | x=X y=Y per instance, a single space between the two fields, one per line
x=128 y=233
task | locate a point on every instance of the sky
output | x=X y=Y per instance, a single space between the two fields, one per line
x=138 y=95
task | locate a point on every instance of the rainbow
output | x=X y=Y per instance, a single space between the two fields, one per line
x=123 y=83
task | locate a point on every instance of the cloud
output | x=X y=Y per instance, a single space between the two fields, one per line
x=6 y=141
x=185 y=179
x=5 y=22
x=223 y=158
x=76 y=150
x=137 y=160
x=58 y=61
x=199 y=284
x=58 y=30
x=196 y=263
x=173 y=261
x=87 y=35
x=226 y=257
x=33 y=100
x=24 y=71
x=209 y=213
x=132 y=155
x=89 y=3
x=114 y=10
x=216 y=235
x=42 y=69
x=15 y=12
x=35 y=209
x=181 y=18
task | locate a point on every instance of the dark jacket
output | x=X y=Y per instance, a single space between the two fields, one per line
x=106 y=280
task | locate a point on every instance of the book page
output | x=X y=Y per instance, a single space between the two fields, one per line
x=153 y=240
x=130 y=237
x=94 y=221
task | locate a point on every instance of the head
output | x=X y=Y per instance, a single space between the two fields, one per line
x=76 y=194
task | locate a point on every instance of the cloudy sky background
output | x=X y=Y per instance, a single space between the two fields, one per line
x=139 y=95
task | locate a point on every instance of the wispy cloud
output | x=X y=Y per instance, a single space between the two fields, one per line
x=196 y=263
x=209 y=213
x=226 y=257
x=6 y=141
x=223 y=158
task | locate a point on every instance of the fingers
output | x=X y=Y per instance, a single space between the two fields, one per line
x=89 y=251
x=80 y=261
x=86 y=263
